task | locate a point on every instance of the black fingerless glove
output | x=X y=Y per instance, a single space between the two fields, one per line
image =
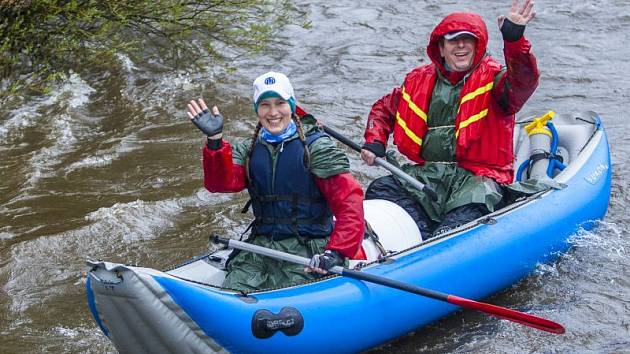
x=209 y=123
x=377 y=148
x=511 y=31
x=326 y=260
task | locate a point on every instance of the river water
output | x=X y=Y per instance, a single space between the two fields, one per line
x=109 y=169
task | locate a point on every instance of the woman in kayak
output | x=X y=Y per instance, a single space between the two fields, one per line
x=297 y=179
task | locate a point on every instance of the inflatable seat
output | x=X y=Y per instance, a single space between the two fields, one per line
x=395 y=229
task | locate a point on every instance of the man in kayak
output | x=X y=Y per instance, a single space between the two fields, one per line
x=455 y=118
x=297 y=179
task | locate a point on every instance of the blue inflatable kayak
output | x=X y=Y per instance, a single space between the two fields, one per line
x=184 y=310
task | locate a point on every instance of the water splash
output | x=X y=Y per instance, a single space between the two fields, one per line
x=47 y=267
x=127 y=144
x=73 y=93
x=44 y=161
x=6 y=235
x=138 y=220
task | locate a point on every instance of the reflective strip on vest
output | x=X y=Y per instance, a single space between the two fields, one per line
x=413 y=106
x=471 y=120
x=477 y=92
x=475 y=117
x=416 y=139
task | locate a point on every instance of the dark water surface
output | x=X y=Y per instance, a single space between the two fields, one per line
x=110 y=169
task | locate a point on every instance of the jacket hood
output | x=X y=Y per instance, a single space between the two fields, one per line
x=458 y=21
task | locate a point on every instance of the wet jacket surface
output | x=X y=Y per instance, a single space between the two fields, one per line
x=482 y=146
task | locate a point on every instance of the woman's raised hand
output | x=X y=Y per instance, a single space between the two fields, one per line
x=210 y=123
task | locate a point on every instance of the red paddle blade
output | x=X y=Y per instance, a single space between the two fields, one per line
x=299 y=111
x=507 y=314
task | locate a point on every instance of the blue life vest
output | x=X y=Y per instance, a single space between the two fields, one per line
x=289 y=203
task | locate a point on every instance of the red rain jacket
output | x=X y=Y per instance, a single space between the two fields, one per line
x=484 y=146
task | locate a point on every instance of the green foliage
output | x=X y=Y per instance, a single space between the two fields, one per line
x=41 y=40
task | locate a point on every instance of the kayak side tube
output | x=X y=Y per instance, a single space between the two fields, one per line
x=144 y=316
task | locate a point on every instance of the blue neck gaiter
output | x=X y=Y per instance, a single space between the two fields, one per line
x=287 y=133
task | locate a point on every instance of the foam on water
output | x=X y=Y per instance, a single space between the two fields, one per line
x=47 y=267
x=100 y=158
x=6 y=235
x=20 y=119
x=44 y=161
x=73 y=93
x=78 y=90
x=138 y=220
x=607 y=237
x=126 y=62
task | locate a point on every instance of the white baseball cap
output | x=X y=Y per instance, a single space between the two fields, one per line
x=452 y=35
x=273 y=82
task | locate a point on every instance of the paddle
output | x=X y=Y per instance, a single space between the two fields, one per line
x=492 y=310
x=378 y=161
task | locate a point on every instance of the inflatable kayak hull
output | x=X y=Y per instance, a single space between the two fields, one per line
x=145 y=310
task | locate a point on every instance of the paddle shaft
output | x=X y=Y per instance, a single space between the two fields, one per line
x=383 y=163
x=493 y=310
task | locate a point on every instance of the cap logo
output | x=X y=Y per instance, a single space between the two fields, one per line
x=270 y=81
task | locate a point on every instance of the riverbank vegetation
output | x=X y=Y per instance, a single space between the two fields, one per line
x=42 y=41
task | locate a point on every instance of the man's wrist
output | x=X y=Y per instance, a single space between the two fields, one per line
x=511 y=31
x=375 y=147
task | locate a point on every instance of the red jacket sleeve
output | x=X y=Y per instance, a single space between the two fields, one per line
x=220 y=173
x=380 y=123
x=520 y=80
x=345 y=198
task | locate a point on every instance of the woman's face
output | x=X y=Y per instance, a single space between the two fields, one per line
x=274 y=114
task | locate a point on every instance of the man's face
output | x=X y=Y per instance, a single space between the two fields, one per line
x=459 y=52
